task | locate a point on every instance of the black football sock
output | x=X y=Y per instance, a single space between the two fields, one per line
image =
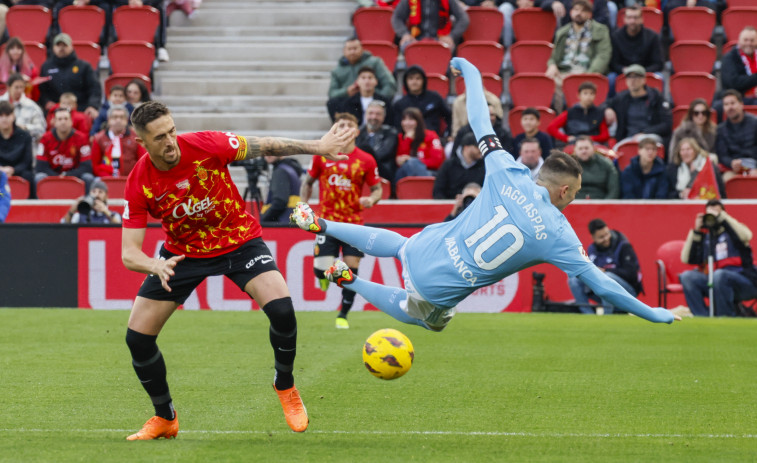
x=151 y=370
x=348 y=298
x=283 y=336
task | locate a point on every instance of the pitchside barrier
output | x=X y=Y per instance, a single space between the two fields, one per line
x=54 y=265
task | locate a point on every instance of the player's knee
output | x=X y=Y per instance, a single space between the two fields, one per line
x=141 y=346
x=280 y=312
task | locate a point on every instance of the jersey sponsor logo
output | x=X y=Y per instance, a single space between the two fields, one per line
x=457 y=261
x=339 y=181
x=489 y=143
x=63 y=161
x=183 y=185
x=264 y=259
x=191 y=208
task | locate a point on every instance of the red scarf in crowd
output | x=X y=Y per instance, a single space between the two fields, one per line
x=445 y=25
x=750 y=64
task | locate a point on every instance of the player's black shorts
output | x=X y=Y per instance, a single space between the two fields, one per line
x=330 y=246
x=240 y=266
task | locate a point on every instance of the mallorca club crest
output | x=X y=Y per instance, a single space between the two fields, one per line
x=202 y=173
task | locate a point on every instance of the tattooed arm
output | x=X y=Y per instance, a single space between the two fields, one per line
x=328 y=146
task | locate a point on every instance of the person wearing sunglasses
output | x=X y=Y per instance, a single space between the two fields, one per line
x=697 y=124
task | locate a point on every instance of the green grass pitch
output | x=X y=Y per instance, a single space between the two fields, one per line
x=492 y=387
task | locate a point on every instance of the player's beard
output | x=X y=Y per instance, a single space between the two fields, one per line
x=171 y=157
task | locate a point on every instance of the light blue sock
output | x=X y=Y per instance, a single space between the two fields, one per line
x=385 y=298
x=374 y=241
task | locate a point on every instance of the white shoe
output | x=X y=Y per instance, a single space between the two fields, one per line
x=304 y=217
x=163 y=55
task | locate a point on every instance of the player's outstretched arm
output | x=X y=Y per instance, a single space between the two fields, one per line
x=328 y=146
x=475 y=101
x=610 y=290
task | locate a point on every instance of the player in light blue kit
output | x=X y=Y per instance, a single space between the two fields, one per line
x=514 y=223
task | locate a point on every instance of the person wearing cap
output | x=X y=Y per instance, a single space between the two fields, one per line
x=92 y=208
x=466 y=165
x=68 y=73
x=734 y=278
x=640 y=111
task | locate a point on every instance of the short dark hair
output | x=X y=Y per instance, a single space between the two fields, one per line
x=469 y=139
x=117 y=88
x=559 y=164
x=146 y=113
x=583 y=138
x=734 y=93
x=531 y=111
x=586 y=85
x=6 y=107
x=647 y=141
x=634 y=7
x=596 y=225
x=715 y=202
x=529 y=140
x=62 y=109
x=585 y=4
x=367 y=69
x=346 y=117
x=15 y=77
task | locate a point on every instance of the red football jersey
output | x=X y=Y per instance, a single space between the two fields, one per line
x=202 y=212
x=341 y=185
x=64 y=155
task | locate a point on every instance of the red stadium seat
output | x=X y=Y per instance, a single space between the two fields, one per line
x=60 y=188
x=373 y=23
x=19 y=187
x=685 y=86
x=732 y=3
x=653 y=81
x=531 y=89
x=37 y=52
x=751 y=109
x=29 y=22
x=533 y=24
x=415 y=188
x=693 y=56
x=571 y=83
x=735 y=19
x=691 y=23
x=486 y=56
x=530 y=55
x=83 y=23
x=547 y=115
x=386 y=189
x=653 y=18
x=438 y=83
x=492 y=83
x=136 y=22
x=485 y=24
x=131 y=56
x=727 y=46
x=669 y=267
x=116 y=186
x=741 y=188
x=431 y=55
x=679 y=113
x=124 y=79
x=89 y=52
x=387 y=51
x=629 y=149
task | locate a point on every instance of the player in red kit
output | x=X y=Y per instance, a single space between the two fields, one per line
x=341 y=186
x=184 y=181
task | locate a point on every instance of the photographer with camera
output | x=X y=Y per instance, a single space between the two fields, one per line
x=463 y=200
x=734 y=278
x=283 y=190
x=92 y=208
x=464 y=166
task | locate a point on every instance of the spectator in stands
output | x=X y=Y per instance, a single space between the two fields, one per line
x=382 y=3
x=466 y=165
x=160 y=34
x=505 y=139
x=64 y=151
x=614 y=255
x=645 y=177
x=344 y=76
x=284 y=189
x=634 y=44
x=15 y=146
x=115 y=150
x=29 y=116
x=137 y=93
x=82 y=122
x=379 y=139
x=600 y=179
x=460 y=115
x=69 y=74
x=14 y=60
x=117 y=96
x=530 y=155
x=463 y=200
x=698 y=125
x=507 y=8
x=734 y=278
x=105 y=5
x=600 y=11
x=431 y=105
x=688 y=159
x=418 y=149
x=442 y=20
x=640 y=111
x=92 y=208
x=736 y=142
x=529 y=122
x=357 y=103
x=739 y=66
x=5 y=197
x=584 y=118
x=583 y=45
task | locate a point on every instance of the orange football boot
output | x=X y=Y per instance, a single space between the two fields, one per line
x=157 y=427
x=294 y=410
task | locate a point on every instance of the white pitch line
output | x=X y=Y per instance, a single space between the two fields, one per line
x=427 y=433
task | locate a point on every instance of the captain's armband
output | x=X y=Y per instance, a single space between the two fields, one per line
x=488 y=144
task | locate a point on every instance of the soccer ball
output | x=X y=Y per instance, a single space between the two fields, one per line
x=388 y=354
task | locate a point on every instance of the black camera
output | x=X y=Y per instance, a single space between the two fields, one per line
x=466 y=201
x=85 y=205
x=709 y=221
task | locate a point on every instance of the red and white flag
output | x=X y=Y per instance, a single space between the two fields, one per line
x=705 y=184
